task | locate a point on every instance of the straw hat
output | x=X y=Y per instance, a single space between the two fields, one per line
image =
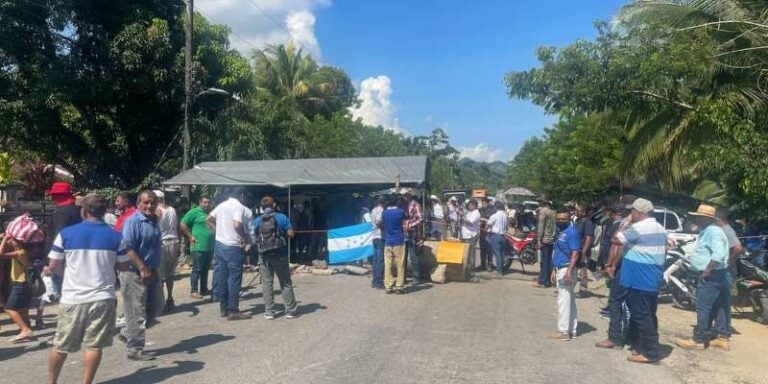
x=706 y=211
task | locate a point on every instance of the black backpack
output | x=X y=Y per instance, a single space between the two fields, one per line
x=268 y=239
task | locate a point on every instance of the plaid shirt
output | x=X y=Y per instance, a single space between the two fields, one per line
x=414 y=216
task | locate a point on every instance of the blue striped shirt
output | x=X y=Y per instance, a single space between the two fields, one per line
x=645 y=247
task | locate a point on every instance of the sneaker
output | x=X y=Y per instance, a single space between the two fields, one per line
x=690 y=344
x=721 y=343
x=239 y=316
x=195 y=295
x=608 y=344
x=559 y=336
x=140 y=355
x=605 y=315
x=389 y=291
x=269 y=316
x=291 y=316
x=120 y=322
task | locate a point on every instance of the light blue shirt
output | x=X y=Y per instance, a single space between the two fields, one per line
x=712 y=245
x=143 y=236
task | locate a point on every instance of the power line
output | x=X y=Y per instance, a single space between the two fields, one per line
x=244 y=40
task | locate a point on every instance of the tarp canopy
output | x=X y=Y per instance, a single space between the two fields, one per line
x=518 y=191
x=370 y=171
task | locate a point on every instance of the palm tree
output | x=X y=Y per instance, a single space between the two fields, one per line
x=662 y=135
x=285 y=72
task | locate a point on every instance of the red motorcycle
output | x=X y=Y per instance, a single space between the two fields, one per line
x=521 y=249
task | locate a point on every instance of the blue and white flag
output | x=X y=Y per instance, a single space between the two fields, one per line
x=351 y=243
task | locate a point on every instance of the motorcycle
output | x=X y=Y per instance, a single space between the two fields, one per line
x=752 y=287
x=680 y=279
x=521 y=250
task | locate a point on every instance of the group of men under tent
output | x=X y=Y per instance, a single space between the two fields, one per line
x=317 y=194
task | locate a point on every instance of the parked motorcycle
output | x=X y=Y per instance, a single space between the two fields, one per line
x=752 y=288
x=680 y=279
x=521 y=250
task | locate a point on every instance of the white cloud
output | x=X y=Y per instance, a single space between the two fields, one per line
x=375 y=106
x=480 y=152
x=253 y=29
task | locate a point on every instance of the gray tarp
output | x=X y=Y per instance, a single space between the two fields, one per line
x=282 y=173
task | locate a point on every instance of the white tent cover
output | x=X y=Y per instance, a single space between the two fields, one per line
x=411 y=171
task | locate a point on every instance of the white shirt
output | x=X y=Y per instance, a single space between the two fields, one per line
x=453 y=212
x=437 y=211
x=498 y=223
x=90 y=250
x=169 y=223
x=376 y=216
x=226 y=214
x=469 y=228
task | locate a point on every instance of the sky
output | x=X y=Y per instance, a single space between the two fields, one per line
x=423 y=64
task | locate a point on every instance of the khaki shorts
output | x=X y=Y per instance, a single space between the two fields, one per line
x=171 y=249
x=89 y=324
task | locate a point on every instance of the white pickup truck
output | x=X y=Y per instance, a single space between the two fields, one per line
x=669 y=219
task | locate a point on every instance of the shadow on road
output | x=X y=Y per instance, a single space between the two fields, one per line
x=585 y=328
x=14 y=352
x=150 y=375
x=192 y=344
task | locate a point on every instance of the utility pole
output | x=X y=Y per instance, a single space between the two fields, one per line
x=188 y=86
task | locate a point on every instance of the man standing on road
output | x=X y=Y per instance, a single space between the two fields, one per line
x=201 y=242
x=169 y=232
x=545 y=237
x=140 y=285
x=413 y=225
x=231 y=221
x=378 y=245
x=735 y=250
x=66 y=214
x=125 y=203
x=470 y=225
x=611 y=254
x=270 y=233
x=393 y=223
x=564 y=259
x=586 y=230
x=497 y=228
x=641 y=274
x=709 y=258
x=87 y=310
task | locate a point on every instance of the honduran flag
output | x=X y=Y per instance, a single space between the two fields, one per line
x=351 y=243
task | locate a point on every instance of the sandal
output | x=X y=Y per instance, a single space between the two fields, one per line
x=23 y=338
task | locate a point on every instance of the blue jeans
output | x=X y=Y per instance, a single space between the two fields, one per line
x=723 y=320
x=413 y=257
x=545 y=273
x=643 y=324
x=378 y=263
x=710 y=297
x=497 y=244
x=201 y=263
x=617 y=328
x=228 y=274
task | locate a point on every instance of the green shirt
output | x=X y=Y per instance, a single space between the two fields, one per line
x=195 y=221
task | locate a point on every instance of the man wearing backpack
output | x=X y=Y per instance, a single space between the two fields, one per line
x=269 y=237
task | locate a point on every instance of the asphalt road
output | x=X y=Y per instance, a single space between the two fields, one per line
x=491 y=331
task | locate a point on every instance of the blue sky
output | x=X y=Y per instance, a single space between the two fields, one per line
x=426 y=64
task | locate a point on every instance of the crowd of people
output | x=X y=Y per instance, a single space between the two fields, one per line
x=95 y=252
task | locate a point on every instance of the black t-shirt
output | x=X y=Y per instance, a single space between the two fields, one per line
x=585 y=228
x=64 y=217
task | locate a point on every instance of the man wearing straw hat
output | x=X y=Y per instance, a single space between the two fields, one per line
x=710 y=258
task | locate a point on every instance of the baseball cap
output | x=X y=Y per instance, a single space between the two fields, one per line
x=60 y=188
x=642 y=205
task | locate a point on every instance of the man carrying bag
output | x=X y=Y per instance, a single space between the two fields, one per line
x=269 y=236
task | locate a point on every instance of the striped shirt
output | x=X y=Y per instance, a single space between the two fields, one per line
x=91 y=250
x=644 y=252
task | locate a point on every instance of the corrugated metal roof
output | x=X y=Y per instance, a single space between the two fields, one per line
x=281 y=173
